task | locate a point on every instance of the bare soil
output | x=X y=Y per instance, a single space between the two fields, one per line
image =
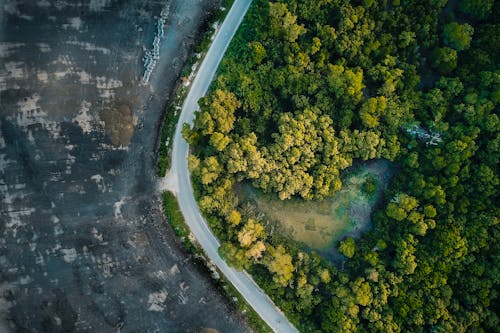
x=83 y=242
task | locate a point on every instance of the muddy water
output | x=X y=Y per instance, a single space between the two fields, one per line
x=83 y=245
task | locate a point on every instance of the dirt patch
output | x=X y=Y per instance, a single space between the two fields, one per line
x=119 y=124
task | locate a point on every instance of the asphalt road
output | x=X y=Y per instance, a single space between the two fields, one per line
x=178 y=180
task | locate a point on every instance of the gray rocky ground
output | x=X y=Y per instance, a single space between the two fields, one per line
x=83 y=244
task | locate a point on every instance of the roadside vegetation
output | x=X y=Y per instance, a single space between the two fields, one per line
x=173 y=111
x=309 y=87
x=171 y=207
x=176 y=220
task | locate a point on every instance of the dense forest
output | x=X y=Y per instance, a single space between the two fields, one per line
x=306 y=88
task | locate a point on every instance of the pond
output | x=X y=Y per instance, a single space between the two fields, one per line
x=319 y=224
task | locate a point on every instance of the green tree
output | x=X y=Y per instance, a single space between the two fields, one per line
x=371 y=110
x=444 y=59
x=405 y=261
x=370 y=185
x=396 y=212
x=255 y=251
x=362 y=292
x=257 y=52
x=234 y=256
x=283 y=23
x=347 y=247
x=217 y=112
x=210 y=170
x=250 y=232
x=234 y=217
x=219 y=141
x=479 y=9
x=430 y=211
x=458 y=36
x=280 y=264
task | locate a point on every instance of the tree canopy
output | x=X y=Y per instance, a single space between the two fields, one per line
x=307 y=88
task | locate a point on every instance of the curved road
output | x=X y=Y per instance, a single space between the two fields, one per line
x=178 y=180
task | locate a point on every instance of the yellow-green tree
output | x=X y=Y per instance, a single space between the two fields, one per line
x=279 y=262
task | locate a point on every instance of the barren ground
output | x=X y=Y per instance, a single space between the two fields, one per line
x=83 y=244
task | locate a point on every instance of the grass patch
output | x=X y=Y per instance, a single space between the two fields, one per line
x=166 y=138
x=174 y=216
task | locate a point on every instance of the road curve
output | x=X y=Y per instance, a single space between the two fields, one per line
x=178 y=180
